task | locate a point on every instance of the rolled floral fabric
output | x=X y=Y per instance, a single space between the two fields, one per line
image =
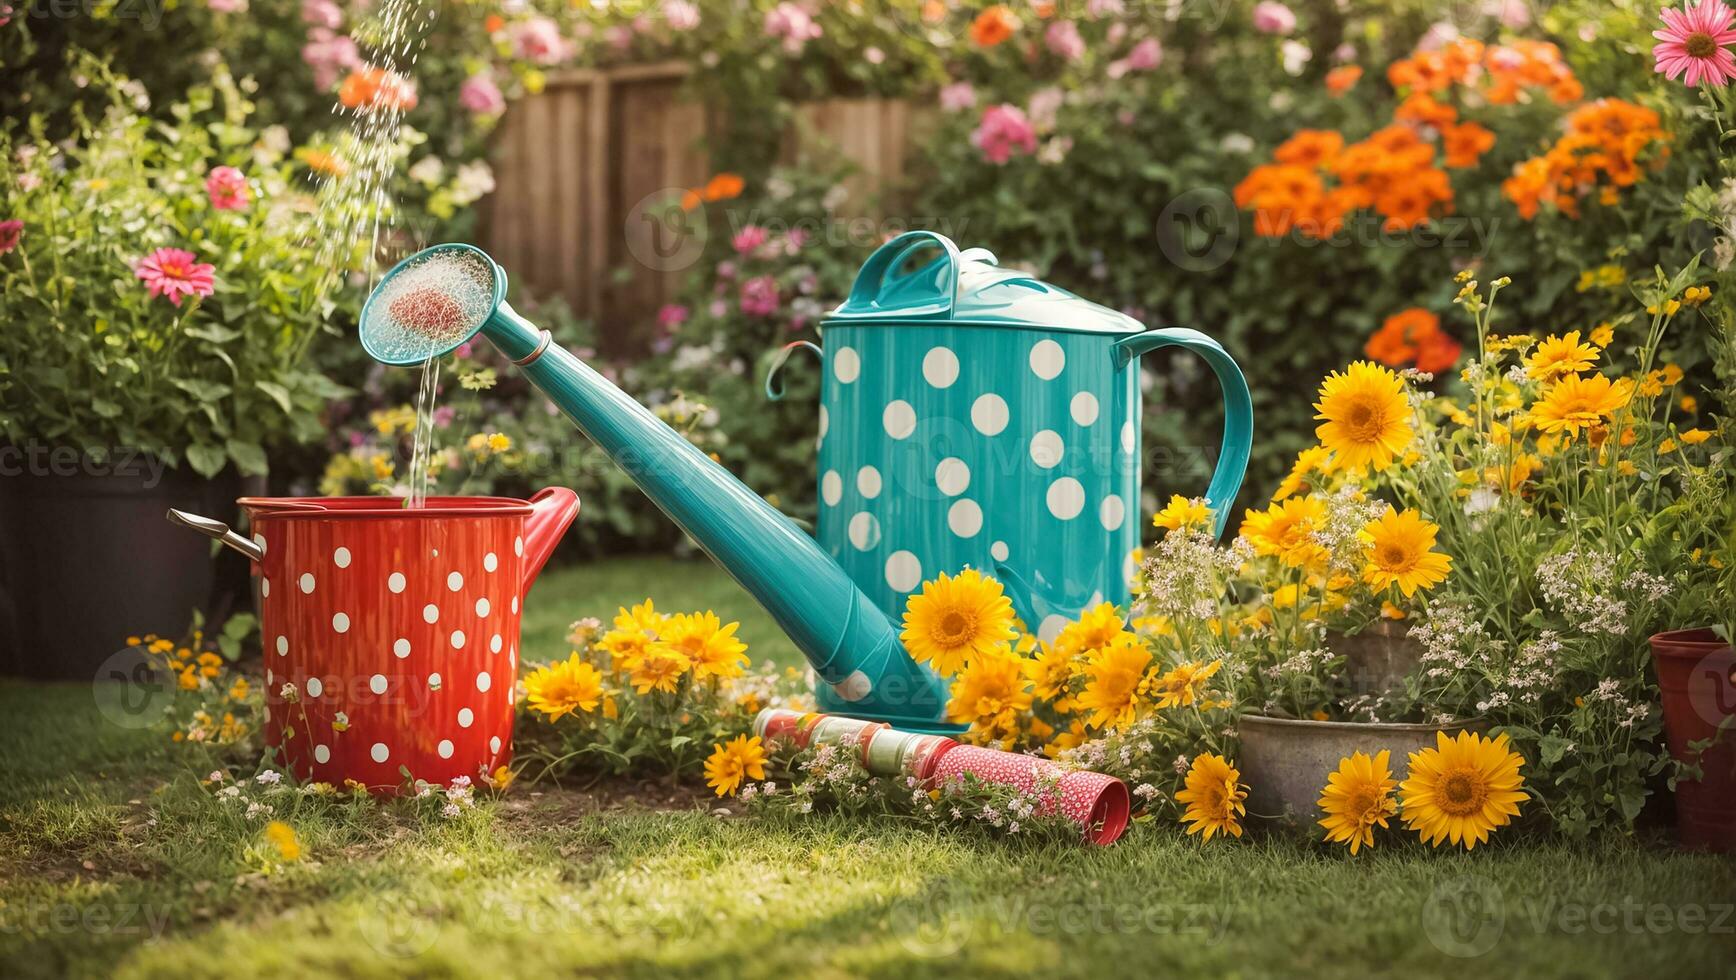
x=1098 y=803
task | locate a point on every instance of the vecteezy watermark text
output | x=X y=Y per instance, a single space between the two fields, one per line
x=39 y=459
x=149 y=13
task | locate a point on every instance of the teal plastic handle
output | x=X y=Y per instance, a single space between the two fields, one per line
x=925 y=293
x=1238 y=407
x=774 y=388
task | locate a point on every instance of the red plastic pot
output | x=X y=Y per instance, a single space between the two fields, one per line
x=1697 y=675
x=391 y=635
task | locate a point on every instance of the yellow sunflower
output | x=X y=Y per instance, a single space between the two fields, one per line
x=1183 y=684
x=563 y=687
x=956 y=619
x=1093 y=630
x=1399 y=544
x=991 y=695
x=1358 y=798
x=1575 y=403
x=1113 y=679
x=1462 y=789
x=1052 y=671
x=635 y=630
x=1183 y=512
x=1309 y=461
x=660 y=669
x=1214 y=796
x=1558 y=357
x=1286 y=529
x=709 y=646
x=1366 y=419
x=733 y=761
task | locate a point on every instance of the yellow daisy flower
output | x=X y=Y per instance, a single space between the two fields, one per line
x=708 y=645
x=1557 y=357
x=1113 y=677
x=1183 y=684
x=956 y=619
x=281 y=837
x=1093 y=630
x=1575 y=403
x=1358 y=798
x=1286 y=529
x=1366 y=420
x=1399 y=544
x=1462 y=789
x=733 y=761
x=1183 y=512
x=1309 y=461
x=1214 y=797
x=563 y=687
x=991 y=695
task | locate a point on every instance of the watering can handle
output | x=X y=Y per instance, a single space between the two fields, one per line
x=1238 y=407
x=774 y=387
x=879 y=289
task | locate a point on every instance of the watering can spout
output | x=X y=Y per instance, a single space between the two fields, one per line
x=852 y=644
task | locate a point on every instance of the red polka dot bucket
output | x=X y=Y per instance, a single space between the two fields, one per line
x=391 y=634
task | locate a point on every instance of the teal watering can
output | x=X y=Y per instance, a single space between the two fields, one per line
x=973 y=415
x=437 y=299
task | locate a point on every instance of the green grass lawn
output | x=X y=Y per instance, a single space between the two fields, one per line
x=114 y=861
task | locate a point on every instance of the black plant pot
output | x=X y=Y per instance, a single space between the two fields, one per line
x=87 y=558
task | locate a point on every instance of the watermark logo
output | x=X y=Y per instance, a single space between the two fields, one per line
x=129 y=691
x=1198 y=230
x=666 y=231
x=932 y=925
x=1465 y=916
x=399 y=928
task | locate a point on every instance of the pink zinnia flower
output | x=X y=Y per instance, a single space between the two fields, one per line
x=759 y=296
x=1003 y=130
x=172 y=272
x=748 y=239
x=10 y=232
x=1271 y=17
x=227 y=188
x=1146 y=55
x=1692 y=43
x=322 y=13
x=329 y=55
x=539 y=39
x=957 y=97
x=481 y=96
x=1063 y=40
x=681 y=15
x=671 y=315
x=793 y=24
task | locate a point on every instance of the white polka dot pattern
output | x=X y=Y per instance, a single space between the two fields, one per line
x=940 y=367
x=899 y=419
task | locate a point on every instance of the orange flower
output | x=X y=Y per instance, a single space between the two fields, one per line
x=1420 y=108
x=1310 y=148
x=1342 y=79
x=1605 y=143
x=493 y=23
x=1465 y=143
x=377 y=88
x=1413 y=335
x=723 y=187
x=994 y=25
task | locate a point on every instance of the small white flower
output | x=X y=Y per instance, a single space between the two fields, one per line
x=269 y=777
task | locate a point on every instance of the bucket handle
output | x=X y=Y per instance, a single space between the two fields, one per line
x=1238 y=408
x=775 y=387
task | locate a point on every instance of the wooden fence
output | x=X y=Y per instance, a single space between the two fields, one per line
x=575 y=164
